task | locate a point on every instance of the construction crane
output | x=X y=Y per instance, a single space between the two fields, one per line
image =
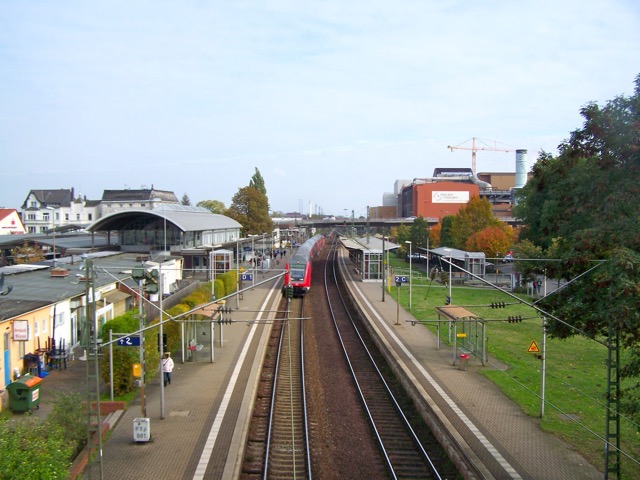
x=475 y=148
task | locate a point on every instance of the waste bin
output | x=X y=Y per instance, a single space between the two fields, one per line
x=464 y=361
x=24 y=394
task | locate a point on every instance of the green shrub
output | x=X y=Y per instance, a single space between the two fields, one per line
x=218 y=288
x=33 y=449
x=70 y=413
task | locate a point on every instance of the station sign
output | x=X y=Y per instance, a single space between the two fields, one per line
x=129 y=341
x=401 y=279
x=246 y=277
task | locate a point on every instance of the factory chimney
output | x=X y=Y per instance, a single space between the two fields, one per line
x=521 y=168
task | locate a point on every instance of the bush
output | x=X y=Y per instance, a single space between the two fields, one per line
x=125 y=357
x=218 y=288
x=70 y=413
x=34 y=449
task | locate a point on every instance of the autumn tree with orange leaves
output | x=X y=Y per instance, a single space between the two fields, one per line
x=494 y=241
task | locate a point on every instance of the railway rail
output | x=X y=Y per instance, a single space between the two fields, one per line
x=401 y=448
x=278 y=446
x=357 y=428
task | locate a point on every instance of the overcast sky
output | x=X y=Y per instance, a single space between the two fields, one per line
x=331 y=100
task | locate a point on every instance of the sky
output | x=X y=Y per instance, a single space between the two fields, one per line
x=331 y=101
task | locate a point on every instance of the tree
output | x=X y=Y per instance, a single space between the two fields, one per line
x=434 y=235
x=492 y=241
x=419 y=233
x=185 y=200
x=215 y=206
x=250 y=208
x=257 y=182
x=582 y=204
x=401 y=236
x=26 y=254
x=474 y=217
x=446 y=231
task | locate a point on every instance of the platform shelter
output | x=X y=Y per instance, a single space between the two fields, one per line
x=466 y=331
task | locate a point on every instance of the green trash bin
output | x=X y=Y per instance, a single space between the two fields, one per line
x=24 y=394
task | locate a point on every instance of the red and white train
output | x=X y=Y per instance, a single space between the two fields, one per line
x=298 y=268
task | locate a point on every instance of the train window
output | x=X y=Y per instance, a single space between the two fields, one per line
x=297 y=274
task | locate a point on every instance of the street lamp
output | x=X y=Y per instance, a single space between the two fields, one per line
x=428 y=255
x=384 y=267
x=53 y=220
x=410 y=271
x=448 y=250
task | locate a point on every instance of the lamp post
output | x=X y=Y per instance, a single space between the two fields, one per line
x=384 y=266
x=238 y=272
x=428 y=255
x=448 y=250
x=53 y=222
x=410 y=271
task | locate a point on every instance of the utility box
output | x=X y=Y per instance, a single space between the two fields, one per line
x=24 y=393
x=141 y=430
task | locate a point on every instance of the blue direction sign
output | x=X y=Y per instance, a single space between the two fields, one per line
x=246 y=276
x=129 y=341
x=402 y=279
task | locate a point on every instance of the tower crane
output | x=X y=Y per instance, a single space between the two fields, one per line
x=475 y=148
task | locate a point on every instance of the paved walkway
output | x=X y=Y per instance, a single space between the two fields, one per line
x=198 y=423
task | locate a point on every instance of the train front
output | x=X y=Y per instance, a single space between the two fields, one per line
x=299 y=277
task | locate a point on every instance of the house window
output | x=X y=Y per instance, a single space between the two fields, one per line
x=90 y=216
x=66 y=217
x=43 y=229
x=33 y=204
x=77 y=216
x=31 y=216
x=31 y=229
x=35 y=328
x=45 y=217
x=44 y=325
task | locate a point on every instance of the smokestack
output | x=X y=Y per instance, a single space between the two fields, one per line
x=521 y=168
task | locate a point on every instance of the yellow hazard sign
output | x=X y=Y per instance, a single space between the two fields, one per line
x=533 y=348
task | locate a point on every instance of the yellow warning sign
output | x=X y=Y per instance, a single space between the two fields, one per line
x=533 y=348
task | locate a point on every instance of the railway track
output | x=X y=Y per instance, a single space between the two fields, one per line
x=278 y=445
x=356 y=426
x=403 y=453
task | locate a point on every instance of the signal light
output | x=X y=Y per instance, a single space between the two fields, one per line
x=288 y=291
x=447 y=300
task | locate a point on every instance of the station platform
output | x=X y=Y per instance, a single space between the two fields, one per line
x=199 y=425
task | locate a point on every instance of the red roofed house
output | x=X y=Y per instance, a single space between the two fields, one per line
x=10 y=223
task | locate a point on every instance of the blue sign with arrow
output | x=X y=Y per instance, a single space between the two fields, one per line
x=129 y=341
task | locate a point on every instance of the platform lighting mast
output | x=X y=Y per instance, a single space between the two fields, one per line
x=475 y=148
